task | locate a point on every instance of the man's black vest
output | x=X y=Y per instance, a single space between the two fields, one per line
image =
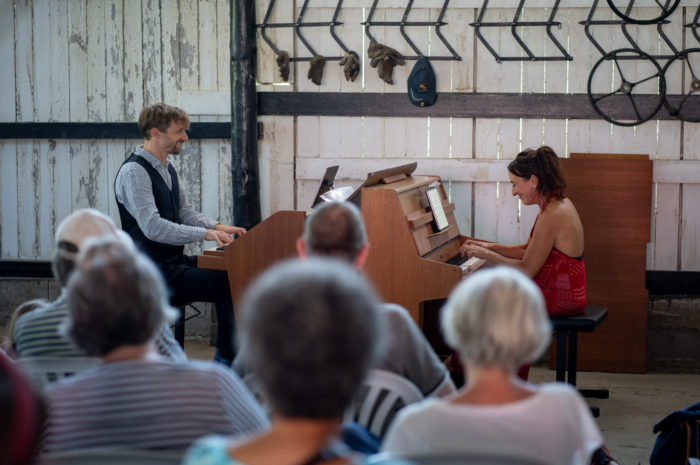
x=168 y=204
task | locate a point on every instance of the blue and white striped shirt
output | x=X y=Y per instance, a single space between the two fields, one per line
x=134 y=190
x=36 y=334
x=149 y=405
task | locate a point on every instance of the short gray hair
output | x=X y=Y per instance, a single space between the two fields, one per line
x=311 y=329
x=497 y=317
x=335 y=229
x=116 y=297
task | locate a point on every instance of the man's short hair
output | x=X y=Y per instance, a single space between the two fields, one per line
x=70 y=235
x=335 y=229
x=116 y=297
x=160 y=116
x=311 y=329
x=497 y=317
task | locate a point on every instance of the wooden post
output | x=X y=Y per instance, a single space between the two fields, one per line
x=244 y=143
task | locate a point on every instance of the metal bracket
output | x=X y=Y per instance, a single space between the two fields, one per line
x=402 y=27
x=623 y=26
x=695 y=25
x=297 y=25
x=513 y=27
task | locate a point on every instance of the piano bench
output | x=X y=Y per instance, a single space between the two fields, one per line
x=567 y=328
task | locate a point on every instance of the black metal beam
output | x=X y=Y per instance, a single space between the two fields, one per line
x=456 y=105
x=25 y=269
x=244 y=114
x=673 y=282
x=680 y=283
x=33 y=130
x=461 y=105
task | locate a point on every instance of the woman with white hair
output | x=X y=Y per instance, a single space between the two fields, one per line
x=497 y=322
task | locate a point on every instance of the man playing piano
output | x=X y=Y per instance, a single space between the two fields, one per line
x=154 y=211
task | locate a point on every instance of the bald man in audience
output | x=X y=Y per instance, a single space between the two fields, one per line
x=35 y=333
x=336 y=229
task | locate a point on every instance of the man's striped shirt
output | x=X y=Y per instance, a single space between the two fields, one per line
x=134 y=190
x=149 y=405
x=36 y=334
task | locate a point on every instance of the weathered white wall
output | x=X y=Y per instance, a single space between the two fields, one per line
x=466 y=152
x=101 y=61
x=91 y=60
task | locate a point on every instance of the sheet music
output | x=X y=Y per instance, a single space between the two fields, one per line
x=436 y=206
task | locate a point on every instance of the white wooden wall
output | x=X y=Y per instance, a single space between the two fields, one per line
x=474 y=152
x=94 y=60
x=101 y=61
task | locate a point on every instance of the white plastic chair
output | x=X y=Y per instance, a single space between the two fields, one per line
x=383 y=394
x=106 y=456
x=388 y=458
x=46 y=370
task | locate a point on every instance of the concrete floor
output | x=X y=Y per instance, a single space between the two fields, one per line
x=626 y=419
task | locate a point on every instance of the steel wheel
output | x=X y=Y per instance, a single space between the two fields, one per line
x=626 y=100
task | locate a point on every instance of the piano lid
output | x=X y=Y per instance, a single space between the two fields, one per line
x=386 y=176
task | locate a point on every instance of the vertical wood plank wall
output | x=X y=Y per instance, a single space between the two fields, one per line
x=89 y=61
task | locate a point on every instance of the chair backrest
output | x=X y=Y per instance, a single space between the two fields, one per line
x=101 y=456
x=46 y=370
x=382 y=395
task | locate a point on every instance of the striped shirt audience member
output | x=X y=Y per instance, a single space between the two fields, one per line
x=36 y=334
x=149 y=405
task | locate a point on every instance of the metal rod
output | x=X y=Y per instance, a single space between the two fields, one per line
x=264 y=25
x=368 y=23
x=334 y=22
x=297 y=29
x=403 y=30
x=438 y=24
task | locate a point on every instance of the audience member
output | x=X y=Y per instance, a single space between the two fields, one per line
x=21 y=415
x=311 y=329
x=336 y=229
x=136 y=399
x=8 y=344
x=496 y=320
x=35 y=334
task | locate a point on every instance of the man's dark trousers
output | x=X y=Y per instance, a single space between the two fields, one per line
x=188 y=283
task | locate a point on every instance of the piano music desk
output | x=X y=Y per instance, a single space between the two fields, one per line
x=406 y=258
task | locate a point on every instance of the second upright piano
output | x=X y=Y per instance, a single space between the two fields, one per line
x=408 y=254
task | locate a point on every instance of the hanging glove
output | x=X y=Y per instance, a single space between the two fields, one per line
x=315 y=73
x=283 y=64
x=351 y=65
x=385 y=58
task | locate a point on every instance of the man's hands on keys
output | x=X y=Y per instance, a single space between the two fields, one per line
x=222 y=233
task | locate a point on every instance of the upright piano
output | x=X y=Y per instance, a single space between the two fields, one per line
x=408 y=251
x=266 y=243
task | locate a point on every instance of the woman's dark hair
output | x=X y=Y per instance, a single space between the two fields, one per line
x=544 y=164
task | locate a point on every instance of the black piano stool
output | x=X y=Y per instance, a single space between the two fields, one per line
x=568 y=327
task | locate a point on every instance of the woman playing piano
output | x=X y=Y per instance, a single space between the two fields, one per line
x=553 y=255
